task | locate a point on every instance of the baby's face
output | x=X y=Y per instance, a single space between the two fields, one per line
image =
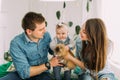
x=62 y=33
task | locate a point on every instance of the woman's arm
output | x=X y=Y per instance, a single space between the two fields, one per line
x=75 y=60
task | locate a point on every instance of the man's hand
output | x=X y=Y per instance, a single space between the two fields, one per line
x=55 y=62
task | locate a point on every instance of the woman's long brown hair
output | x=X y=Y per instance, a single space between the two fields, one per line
x=94 y=49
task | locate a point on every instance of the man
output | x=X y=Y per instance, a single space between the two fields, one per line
x=29 y=50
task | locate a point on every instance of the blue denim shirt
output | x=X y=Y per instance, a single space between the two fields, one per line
x=78 y=47
x=26 y=53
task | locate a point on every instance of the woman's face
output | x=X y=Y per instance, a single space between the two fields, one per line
x=83 y=34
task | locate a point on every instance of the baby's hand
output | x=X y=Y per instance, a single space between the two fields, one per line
x=67 y=48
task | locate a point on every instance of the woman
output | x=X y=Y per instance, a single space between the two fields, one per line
x=93 y=56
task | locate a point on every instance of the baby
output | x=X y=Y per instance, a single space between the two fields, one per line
x=62 y=37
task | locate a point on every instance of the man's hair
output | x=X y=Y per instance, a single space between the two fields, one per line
x=30 y=19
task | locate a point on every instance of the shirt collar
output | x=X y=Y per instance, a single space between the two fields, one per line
x=27 y=39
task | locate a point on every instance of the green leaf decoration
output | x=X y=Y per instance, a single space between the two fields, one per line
x=46 y=23
x=7 y=56
x=64 y=5
x=70 y=23
x=58 y=15
x=77 y=29
x=87 y=6
x=90 y=0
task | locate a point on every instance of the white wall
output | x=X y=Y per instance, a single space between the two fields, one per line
x=111 y=16
x=11 y=14
x=94 y=10
x=72 y=12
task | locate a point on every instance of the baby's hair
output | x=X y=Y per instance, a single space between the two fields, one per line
x=61 y=25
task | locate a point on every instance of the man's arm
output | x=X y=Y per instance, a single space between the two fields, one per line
x=35 y=70
x=22 y=66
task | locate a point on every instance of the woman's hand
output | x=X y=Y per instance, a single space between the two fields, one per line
x=75 y=60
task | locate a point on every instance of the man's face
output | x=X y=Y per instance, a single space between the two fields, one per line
x=38 y=32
